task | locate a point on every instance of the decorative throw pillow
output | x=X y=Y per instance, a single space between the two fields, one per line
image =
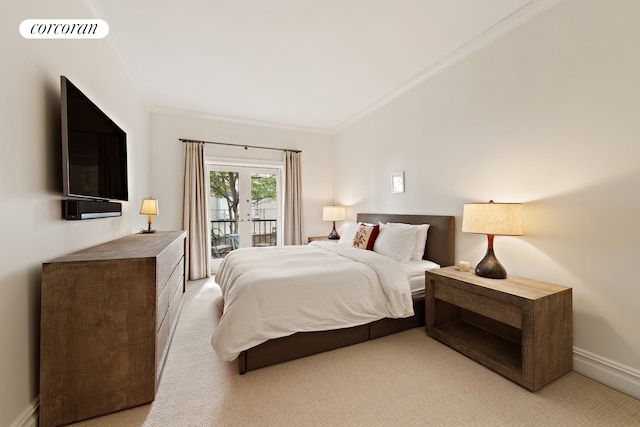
x=365 y=236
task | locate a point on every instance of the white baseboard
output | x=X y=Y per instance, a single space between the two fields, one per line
x=612 y=374
x=28 y=417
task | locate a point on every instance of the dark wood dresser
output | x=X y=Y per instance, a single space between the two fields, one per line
x=108 y=314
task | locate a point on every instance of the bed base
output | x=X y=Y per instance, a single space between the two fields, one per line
x=440 y=249
x=303 y=344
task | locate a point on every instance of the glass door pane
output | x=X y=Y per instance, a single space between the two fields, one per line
x=264 y=208
x=223 y=211
x=244 y=208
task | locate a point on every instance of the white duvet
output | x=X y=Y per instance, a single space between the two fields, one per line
x=277 y=291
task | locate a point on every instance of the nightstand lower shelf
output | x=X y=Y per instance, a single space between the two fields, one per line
x=482 y=346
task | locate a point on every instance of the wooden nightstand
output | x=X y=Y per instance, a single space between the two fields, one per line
x=313 y=238
x=520 y=328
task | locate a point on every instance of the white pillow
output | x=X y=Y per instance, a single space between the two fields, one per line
x=347 y=232
x=395 y=242
x=420 y=231
x=421 y=241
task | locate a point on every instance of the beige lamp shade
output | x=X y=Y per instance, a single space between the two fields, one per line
x=149 y=207
x=333 y=213
x=504 y=219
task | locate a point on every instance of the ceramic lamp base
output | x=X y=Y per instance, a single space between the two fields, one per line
x=490 y=267
x=334 y=234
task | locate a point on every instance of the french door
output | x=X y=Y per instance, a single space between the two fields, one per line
x=245 y=207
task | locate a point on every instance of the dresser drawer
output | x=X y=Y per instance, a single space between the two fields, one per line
x=174 y=283
x=168 y=322
x=162 y=337
x=167 y=261
x=176 y=302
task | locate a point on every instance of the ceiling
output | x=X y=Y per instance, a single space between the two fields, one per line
x=311 y=64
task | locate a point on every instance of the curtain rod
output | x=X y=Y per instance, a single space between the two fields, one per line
x=245 y=146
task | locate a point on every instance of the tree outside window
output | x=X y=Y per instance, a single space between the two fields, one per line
x=224 y=186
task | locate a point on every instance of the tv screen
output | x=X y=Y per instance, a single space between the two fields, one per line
x=94 y=149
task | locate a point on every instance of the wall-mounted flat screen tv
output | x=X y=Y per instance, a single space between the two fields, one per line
x=94 y=149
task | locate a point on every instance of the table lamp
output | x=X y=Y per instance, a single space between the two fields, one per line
x=149 y=207
x=333 y=213
x=504 y=219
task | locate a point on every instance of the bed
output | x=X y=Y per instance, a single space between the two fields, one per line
x=405 y=311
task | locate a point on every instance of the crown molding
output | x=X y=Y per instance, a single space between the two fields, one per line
x=238 y=120
x=506 y=25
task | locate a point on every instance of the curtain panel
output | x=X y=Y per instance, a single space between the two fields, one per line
x=293 y=221
x=195 y=218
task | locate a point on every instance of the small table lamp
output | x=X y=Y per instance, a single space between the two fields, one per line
x=149 y=207
x=333 y=213
x=492 y=218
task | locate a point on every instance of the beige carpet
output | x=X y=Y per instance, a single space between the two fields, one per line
x=404 y=379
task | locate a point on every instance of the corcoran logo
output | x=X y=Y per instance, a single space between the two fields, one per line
x=64 y=29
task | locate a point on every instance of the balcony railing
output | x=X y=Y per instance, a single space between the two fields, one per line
x=224 y=235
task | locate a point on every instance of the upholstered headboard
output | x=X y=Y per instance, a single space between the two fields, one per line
x=440 y=238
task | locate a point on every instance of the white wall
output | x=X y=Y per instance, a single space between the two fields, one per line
x=32 y=227
x=547 y=116
x=167 y=156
